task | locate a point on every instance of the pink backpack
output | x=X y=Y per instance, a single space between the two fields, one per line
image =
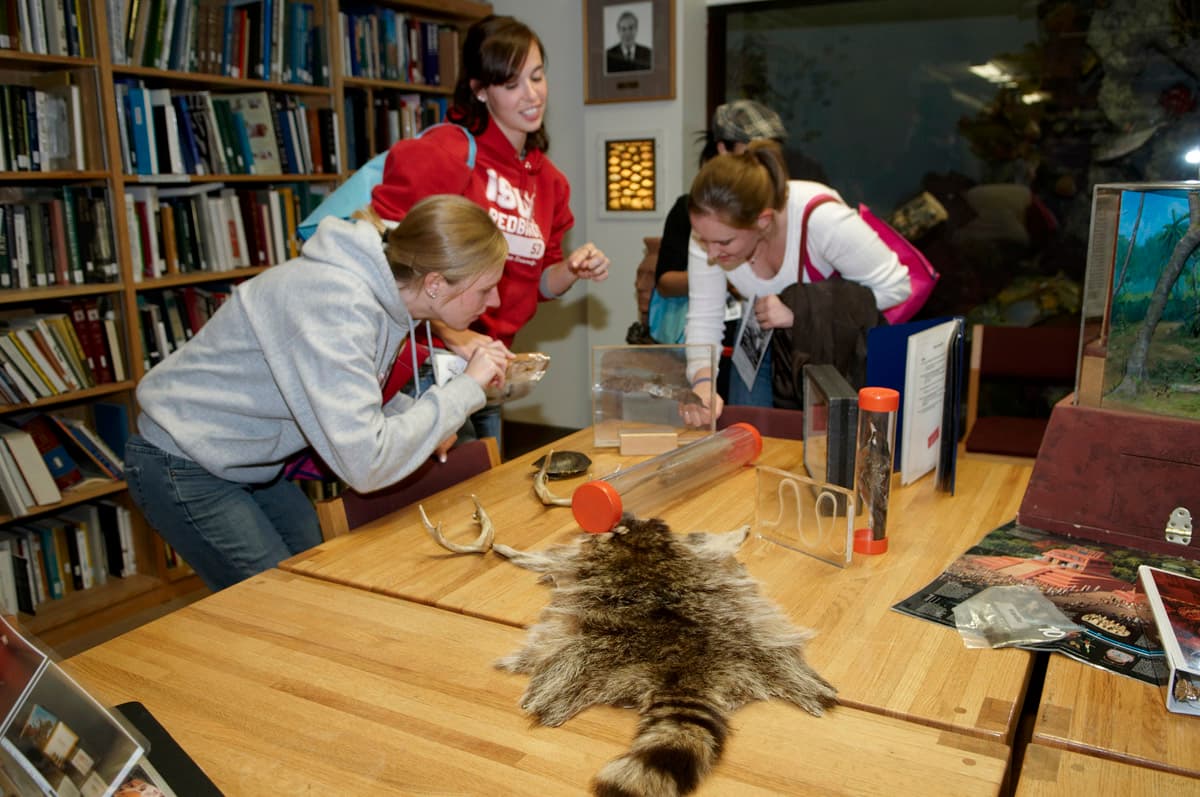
x=921 y=272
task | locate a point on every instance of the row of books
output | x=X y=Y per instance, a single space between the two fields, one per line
x=51 y=354
x=43 y=125
x=201 y=133
x=259 y=39
x=385 y=44
x=46 y=27
x=392 y=116
x=43 y=454
x=170 y=317
x=61 y=236
x=209 y=227
x=74 y=550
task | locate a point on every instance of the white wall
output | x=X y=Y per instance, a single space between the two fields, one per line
x=594 y=314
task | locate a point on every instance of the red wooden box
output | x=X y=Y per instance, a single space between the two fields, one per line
x=1115 y=477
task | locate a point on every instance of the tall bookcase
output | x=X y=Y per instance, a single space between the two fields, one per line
x=359 y=93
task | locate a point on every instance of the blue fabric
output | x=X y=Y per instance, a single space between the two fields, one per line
x=758 y=395
x=348 y=197
x=668 y=317
x=225 y=530
x=489 y=423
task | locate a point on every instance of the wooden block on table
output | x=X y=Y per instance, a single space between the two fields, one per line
x=656 y=442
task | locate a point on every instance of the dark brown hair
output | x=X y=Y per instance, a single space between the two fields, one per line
x=737 y=188
x=493 y=51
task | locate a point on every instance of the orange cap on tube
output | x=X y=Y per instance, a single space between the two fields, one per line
x=597 y=506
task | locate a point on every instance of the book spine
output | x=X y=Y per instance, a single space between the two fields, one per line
x=6 y=273
x=58 y=241
x=39 y=265
x=71 y=228
x=50 y=562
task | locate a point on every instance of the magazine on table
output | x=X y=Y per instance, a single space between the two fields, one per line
x=56 y=739
x=144 y=781
x=1094 y=584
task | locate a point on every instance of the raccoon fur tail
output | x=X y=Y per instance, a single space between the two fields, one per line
x=678 y=742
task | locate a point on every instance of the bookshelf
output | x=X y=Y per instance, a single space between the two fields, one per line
x=316 y=98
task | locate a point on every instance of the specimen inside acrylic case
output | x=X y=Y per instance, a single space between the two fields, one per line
x=642 y=389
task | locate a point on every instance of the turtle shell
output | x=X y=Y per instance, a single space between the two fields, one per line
x=564 y=464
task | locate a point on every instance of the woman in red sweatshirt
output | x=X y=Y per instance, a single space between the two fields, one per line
x=500 y=99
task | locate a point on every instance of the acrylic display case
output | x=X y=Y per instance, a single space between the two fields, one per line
x=1121 y=458
x=830 y=421
x=805 y=515
x=641 y=389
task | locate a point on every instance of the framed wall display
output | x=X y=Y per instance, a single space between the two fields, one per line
x=628 y=50
x=630 y=166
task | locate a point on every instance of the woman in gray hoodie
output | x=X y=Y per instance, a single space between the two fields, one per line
x=296 y=357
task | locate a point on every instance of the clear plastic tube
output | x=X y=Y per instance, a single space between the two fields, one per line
x=648 y=486
x=876 y=443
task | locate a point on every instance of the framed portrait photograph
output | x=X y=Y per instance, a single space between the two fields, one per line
x=628 y=50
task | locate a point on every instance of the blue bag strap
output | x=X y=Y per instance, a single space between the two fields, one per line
x=466 y=132
x=356 y=191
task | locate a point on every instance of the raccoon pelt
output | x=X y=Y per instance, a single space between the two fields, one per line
x=671 y=625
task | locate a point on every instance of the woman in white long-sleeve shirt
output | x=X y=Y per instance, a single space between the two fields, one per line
x=746 y=227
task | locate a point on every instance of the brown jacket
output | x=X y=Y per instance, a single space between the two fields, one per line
x=832 y=319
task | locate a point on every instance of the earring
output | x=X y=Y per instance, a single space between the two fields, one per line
x=431 y=294
x=481 y=97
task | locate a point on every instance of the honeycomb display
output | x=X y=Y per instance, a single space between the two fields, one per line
x=630 y=169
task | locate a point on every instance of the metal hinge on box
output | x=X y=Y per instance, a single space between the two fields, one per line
x=1179 y=526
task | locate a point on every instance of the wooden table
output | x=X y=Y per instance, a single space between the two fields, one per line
x=1049 y=772
x=879 y=660
x=286 y=684
x=1088 y=710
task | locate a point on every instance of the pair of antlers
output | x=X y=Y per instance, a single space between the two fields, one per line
x=487 y=532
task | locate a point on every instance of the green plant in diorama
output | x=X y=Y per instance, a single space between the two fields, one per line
x=1136 y=376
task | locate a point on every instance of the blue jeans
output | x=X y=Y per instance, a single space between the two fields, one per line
x=227 y=531
x=487 y=422
x=758 y=395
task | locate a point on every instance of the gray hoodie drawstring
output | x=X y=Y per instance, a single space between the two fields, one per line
x=412 y=336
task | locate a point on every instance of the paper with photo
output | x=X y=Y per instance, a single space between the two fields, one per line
x=144 y=781
x=750 y=346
